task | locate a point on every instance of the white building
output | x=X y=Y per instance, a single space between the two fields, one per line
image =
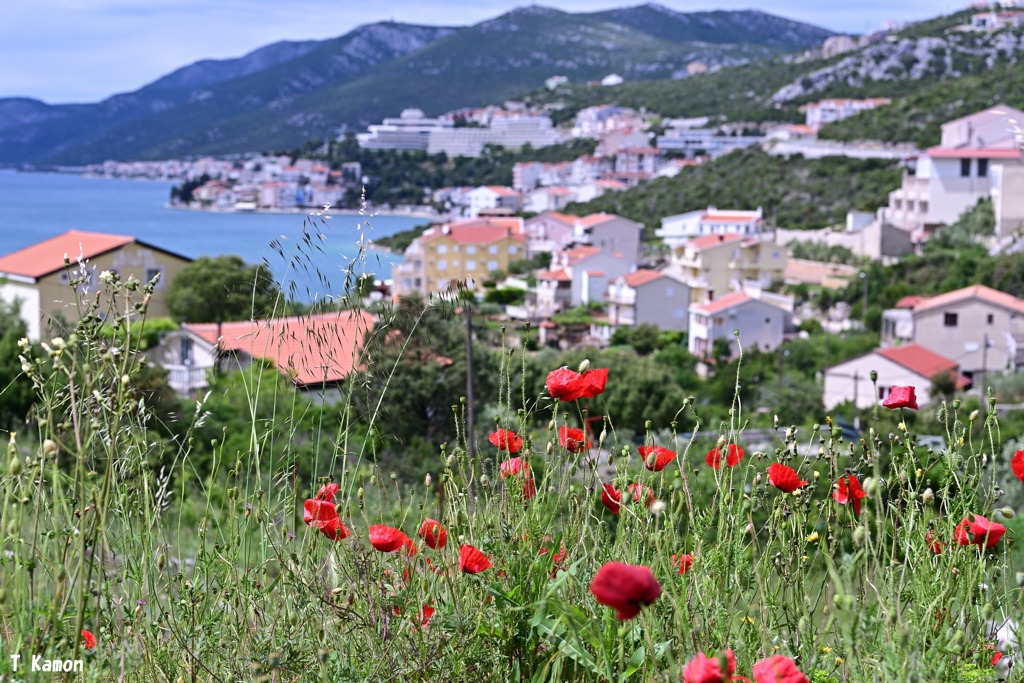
x=681 y=227
x=951 y=178
x=760 y=325
x=837 y=45
x=612 y=79
x=411 y=130
x=493 y=198
x=507 y=131
x=704 y=141
x=543 y=199
x=832 y=110
x=897 y=366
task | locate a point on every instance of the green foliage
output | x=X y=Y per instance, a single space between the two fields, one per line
x=16 y=394
x=222 y=288
x=798 y=193
x=819 y=251
x=505 y=296
x=920 y=111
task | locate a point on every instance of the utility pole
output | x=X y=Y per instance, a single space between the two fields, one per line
x=469 y=379
x=864 y=319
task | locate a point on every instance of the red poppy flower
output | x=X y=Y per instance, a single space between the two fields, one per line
x=624 y=587
x=848 y=491
x=1017 y=464
x=567 y=385
x=573 y=439
x=641 y=494
x=685 y=561
x=901 y=397
x=979 y=531
x=529 y=487
x=472 y=561
x=513 y=466
x=506 y=440
x=784 y=478
x=433 y=534
x=611 y=497
x=323 y=515
x=656 y=457
x=714 y=456
x=778 y=669
x=556 y=559
x=933 y=543
x=89 y=638
x=996 y=657
x=703 y=669
x=388 y=539
x=426 y=612
x=327 y=491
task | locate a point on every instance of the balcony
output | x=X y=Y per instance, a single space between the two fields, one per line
x=185 y=379
x=621 y=297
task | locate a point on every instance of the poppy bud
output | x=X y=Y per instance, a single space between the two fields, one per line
x=49 y=447
x=956 y=403
x=450 y=462
x=604 y=435
x=658 y=507
x=15 y=466
x=1008 y=512
x=902 y=426
x=484 y=480
x=426 y=480
x=974 y=415
x=584 y=366
x=551 y=426
x=775 y=421
x=393 y=476
x=550 y=448
x=322 y=655
x=757 y=479
x=874 y=375
x=869 y=486
x=860 y=536
x=373 y=480
x=928 y=496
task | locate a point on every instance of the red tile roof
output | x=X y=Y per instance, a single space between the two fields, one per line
x=709 y=241
x=559 y=275
x=47 y=257
x=480 y=231
x=918 y=360
x=642 y=277
x=567 y=218
x=310 y=350
x=992 y=296
x=729 y=217
x=909 y=301
x=577 y=254
x=503 y=191
x=596 y=219
x=724 y=303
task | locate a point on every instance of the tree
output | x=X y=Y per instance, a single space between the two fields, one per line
x=221 y=288
x=16 y=393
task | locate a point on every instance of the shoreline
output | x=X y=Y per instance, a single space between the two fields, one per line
x=368 y=213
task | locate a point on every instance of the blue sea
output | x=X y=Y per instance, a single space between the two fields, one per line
x=36 y=206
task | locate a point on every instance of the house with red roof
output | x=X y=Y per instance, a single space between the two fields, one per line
x=714 y=265
x=982 y=328
x=552 y=198
x=578 y=276
x=315 y=352
x=908 y=365
x=761 y=325
x=950 y=178
x=459 y=252
x=616 y=234
x=38 y=278
x=653 y=297
x=493 y=199
x=549 y=232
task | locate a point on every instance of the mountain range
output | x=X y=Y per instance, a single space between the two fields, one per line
x=281 y=95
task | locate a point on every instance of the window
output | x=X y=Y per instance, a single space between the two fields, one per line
x=455 y=263
x=922 y=206
x=442 y=249
x=949 y=319
x=513 y=250
x=471 y=250
x=492 y=265
x=670 y=292
x=470 y=265
x=455 y=248
x=883 y=391
x=493 y=249
x=965 y=168
x=990 y=318
x=897 y=204
x=982 y=168
x=442 y=264
x=910 y=205
x=152 y=273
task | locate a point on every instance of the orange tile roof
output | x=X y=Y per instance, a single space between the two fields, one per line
x=992 y=296
x=909 y=301
x=974 y=153
x=479 y=231
x=642 y=277
x=596 y=219
x=559 y=275
x=730 y=217
x=709 y=241
x=918 y=360
x=577 y=254
x=310 y=350
x=726 y=302
x=47 y=257
x=567 y=218
x=503 y=191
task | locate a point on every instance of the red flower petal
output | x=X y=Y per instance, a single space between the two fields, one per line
x=933 y=543
x=979 y=531
x=641 y=493
x=327 y=491
x=472 y=561
x=703 y=669
x=89 y=638
x=506 y=440
x=778 y=669
x=593 y=382
x=1017 y=464
x=611 y=497
x=513 y=466
x=685 y=561
x=901 y=397
x=656 y=457
x=564 y=384
x=784 y=478
x=387 y=539
x=323 y=515
x=714 y=456
x=625 y=588
x=573 y=439
x=848 y=490
x=433 y=534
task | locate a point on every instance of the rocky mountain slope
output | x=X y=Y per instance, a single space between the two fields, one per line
x=283 y=94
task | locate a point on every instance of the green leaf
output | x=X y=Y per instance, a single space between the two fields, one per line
x=635 y=662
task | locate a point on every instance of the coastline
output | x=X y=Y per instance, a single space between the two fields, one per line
x=367 y=213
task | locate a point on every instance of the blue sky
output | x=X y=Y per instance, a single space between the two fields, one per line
x=84 y=50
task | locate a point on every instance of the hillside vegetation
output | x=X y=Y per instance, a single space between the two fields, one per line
x=795 y=192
